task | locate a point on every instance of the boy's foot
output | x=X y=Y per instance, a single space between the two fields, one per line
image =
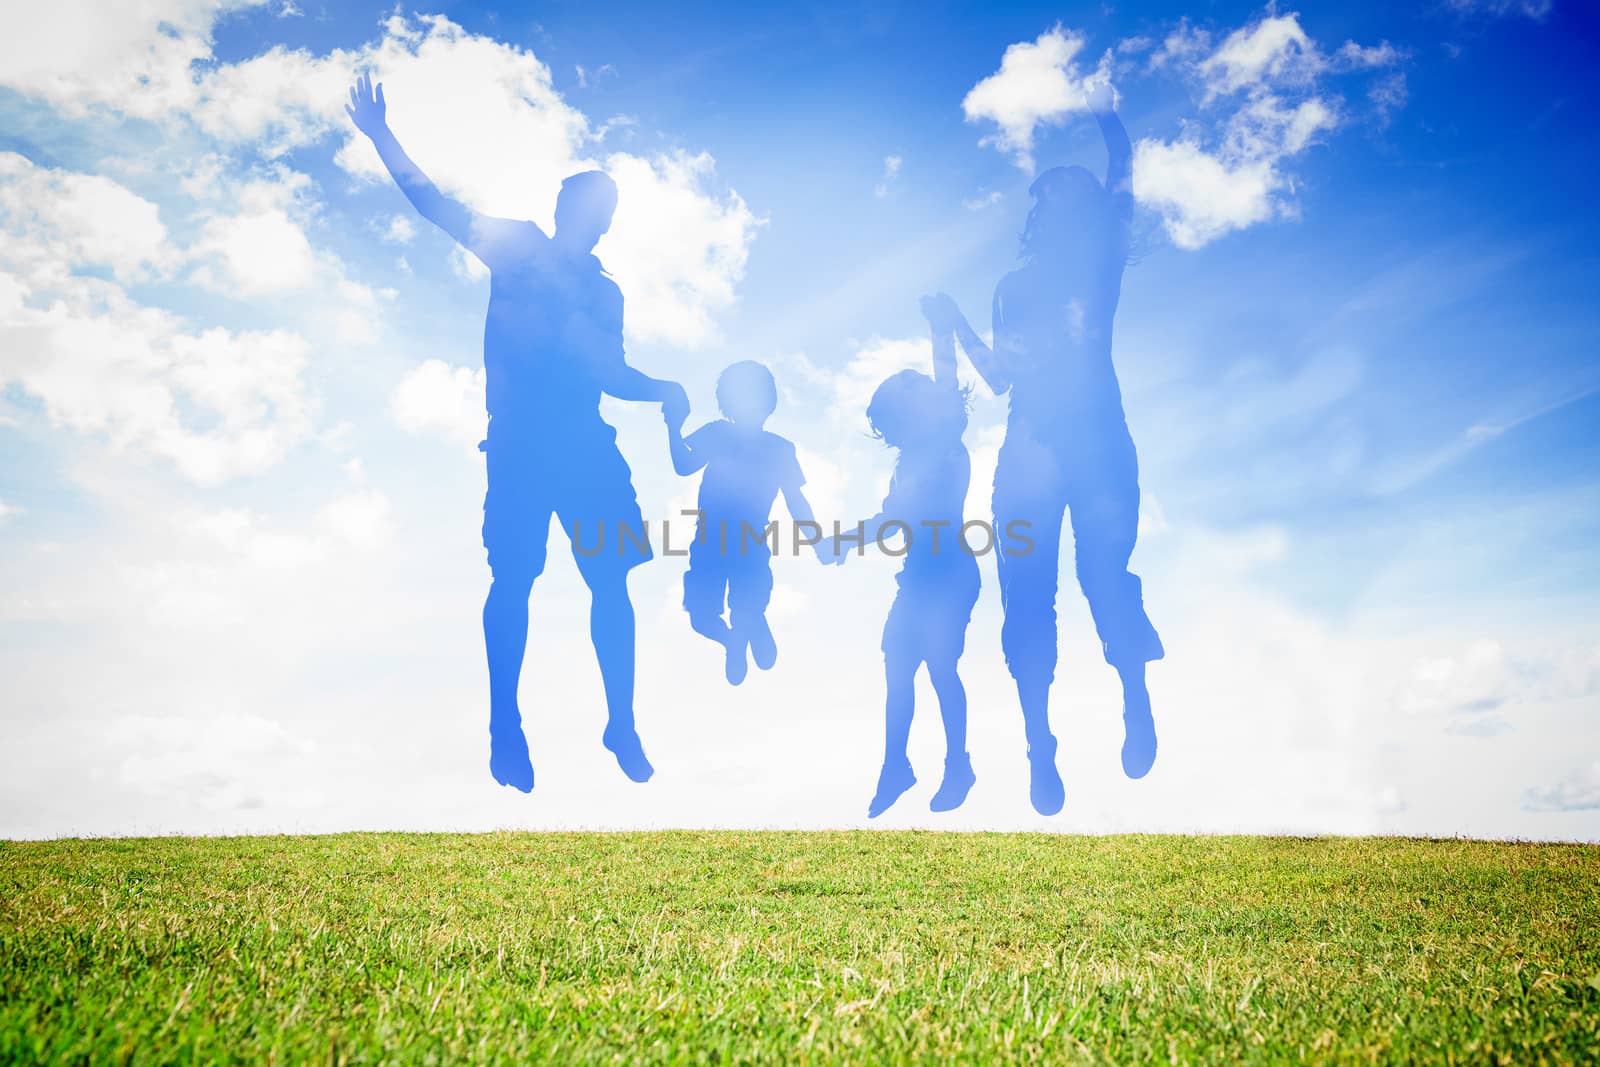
x=624 y=744
x=894 y=780
x=958 y=779
x=1139 y=737
x=1044 y=787
x=763 y=647
x=508 y=756
x=736 y=667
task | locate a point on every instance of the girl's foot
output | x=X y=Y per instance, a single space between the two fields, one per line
x=894 y=780
x=958 y=779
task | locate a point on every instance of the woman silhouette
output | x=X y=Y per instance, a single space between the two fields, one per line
x=1067 y=445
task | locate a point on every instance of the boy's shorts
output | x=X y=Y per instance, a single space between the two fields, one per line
x=581 y=478
x=741 y=580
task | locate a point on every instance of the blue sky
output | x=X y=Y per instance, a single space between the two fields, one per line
x=239 y=496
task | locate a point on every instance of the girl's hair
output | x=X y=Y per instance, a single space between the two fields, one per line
x=912 y=400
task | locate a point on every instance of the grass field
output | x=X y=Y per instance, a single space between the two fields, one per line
x=758 y=947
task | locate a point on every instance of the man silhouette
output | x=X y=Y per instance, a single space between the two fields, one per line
x=552 y=345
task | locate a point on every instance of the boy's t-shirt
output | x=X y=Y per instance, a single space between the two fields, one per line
x=744 y=471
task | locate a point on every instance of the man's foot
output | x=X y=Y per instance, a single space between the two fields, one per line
x=894 y=780
x=763 y=646
x=1045 y=788
x=624 y=744
x=508 y=756
x=958 y=779
x=737 y=666
x=1139 y=737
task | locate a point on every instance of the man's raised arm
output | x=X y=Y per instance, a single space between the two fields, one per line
x=477 y=233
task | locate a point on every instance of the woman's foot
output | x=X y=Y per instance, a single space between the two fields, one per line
x=1044 y=785
x=1139 y=736
x=763 y=646
x=958 y=779
x=737 y=666
x=893 y=781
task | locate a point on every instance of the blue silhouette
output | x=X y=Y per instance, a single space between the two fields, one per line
x=923 y=418
x=552 y=345
x=1067 y=445
x=745 y=468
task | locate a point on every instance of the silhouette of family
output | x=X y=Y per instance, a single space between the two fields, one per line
x=553 y=346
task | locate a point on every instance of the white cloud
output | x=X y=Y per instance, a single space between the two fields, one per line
x=398 y=230
x=480 y=116
x=133 y=57
x=1533 y=9
x=1579 y=791
x=678 y=246
x=435 y=397
x=215 y=402
x=1267 y=78
x=1468 y=690
x=10 y=511
x=56 y=217
x=1200 y=196
x=1274 y=49
x=1038 y=83
x=260 y=253
x=891 y=171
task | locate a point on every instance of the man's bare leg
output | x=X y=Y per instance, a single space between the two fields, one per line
x=611 y=628
x=505 y=638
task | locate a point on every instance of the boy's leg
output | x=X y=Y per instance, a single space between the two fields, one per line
x=749 y=593
x=704 y=589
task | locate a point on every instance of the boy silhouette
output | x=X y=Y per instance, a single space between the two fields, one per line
x=745 y=469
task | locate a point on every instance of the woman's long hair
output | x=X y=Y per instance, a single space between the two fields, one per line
x=1071 y=211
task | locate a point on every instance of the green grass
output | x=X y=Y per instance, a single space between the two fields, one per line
x=756 y=947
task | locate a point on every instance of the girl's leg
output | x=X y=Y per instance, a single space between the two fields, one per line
x=958 y=776
x=900 y=675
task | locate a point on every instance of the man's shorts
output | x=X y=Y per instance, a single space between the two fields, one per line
x=579 y=477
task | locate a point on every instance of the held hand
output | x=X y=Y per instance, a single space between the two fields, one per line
x=674 y=404
x=941 y=312
x=366 y=107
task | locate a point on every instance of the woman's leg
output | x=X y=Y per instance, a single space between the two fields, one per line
x=1028 y=510
x=1104 y=498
